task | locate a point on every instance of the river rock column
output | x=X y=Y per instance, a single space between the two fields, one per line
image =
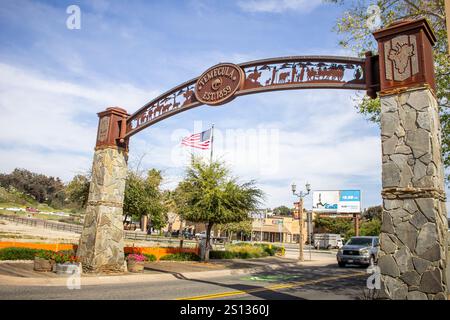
x=101 y=243
x=413 y=240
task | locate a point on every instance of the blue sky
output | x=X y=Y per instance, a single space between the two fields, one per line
x=54 y=81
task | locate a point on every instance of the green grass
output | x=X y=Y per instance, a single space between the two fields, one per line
x=15 y=199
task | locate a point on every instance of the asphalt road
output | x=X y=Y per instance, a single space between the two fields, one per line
x=299 y=282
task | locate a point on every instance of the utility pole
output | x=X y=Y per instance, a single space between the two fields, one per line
x=300 y=195
x=300 y=223
x=309 y=233
x=356 y=222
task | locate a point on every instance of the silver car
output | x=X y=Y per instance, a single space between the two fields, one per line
x=358 y=250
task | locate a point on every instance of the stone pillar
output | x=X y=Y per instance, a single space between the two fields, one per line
x=413 y=240
x=101 y=243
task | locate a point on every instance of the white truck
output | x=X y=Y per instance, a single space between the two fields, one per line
x=327 y=241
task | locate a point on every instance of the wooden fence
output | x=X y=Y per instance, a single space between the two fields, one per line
x=130 y=235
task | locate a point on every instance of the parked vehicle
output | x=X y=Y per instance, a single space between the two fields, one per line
x=359 y=250
x=188 y=235
x=220 y=240
x=327 y=240
x=200 y=235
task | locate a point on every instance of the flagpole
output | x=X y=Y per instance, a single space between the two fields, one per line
x=212 y=142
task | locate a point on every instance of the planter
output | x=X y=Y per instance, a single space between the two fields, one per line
x=43 y=265
x=135 y=266
x=68 y=268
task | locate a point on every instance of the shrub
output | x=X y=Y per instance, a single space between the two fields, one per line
x=68 y=252
x=58 y=257
x=269 y=249
x=247 y=251
x=18 y=253
x=216 y=254
x=150 y=257
x=63 y=258
x=241 y=244
x=272 y=250
x=181 y=256
x=281 y=251
x=45 y=254
x=244 y=251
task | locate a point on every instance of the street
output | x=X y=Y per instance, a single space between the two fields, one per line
x=293 y=282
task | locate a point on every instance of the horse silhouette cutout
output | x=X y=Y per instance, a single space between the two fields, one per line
x=188 y=96
x=283 y=76
x=251 y=80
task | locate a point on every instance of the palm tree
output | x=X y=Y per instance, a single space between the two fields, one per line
x=211 y=196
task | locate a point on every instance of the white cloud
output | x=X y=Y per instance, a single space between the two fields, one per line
x=56 y=164
x=55 y=119
x=278 y=6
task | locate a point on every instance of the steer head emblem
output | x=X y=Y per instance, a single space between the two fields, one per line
x=216 y=84
x=400 y=55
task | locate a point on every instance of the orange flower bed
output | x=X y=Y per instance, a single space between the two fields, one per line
x=157 y=252
x=44 y=246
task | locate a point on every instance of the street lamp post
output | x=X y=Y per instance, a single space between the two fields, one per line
x=300 y=195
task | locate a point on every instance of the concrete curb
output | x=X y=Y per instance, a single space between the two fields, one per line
x=127 y=278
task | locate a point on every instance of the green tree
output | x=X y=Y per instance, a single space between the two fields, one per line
x=373 y=213
x=346 y=228
x=77 y=190
x=282 y=211
x=243 y=227
x=370 y=227
x=333 y=225
x=358 y=37
x=143 y=197
x=44 y=189
x=211 y=196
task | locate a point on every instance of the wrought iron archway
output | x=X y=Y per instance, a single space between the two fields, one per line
x=284 y=73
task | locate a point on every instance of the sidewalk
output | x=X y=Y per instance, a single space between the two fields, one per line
x=22 y=273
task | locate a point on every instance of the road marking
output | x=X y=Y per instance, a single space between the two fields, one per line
x=273 y=287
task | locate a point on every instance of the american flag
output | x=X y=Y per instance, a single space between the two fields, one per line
x=200 y=140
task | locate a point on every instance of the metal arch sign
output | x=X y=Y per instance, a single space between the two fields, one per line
x=223 y=82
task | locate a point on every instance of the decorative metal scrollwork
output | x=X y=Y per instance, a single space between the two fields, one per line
x=174 y=101
x=299 y=72
x=303 y=72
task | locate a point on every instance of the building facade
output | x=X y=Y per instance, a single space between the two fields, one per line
x=280 y=228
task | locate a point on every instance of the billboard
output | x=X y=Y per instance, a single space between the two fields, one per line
x=325 y=201
x=349 y=201
x=337 y=201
